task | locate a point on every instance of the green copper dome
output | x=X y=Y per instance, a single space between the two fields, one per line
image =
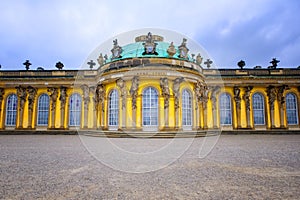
x=136 y=50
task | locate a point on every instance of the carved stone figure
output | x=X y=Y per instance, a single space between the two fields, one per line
x=171 y=50
x=31 y=97
x=150 y=45
x=274 y=63
x=100 y=60
x=1 y=97
x=204 y=95
x=197 y=90
x=271 y=92
x=280 y=96
x=214 y=92
x=176 y=86
x=91 y=64
x=100 y=95
x=241 y=64
x=116 y=50
x=86 y=94
x=1 y=94
x=208 y=63
x=59 y=65
x=237 y=97
x=201 y=92
x=121 y=84
x=63 y=97
x=134 y=90
x=247 y=96
x=53 y=96
x=165 y=91
x=21 y=92
x=183 y=50
x=27 y=64
x=199 y=59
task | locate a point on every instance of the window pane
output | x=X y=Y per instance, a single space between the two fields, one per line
x=75 y=110
x=291 y=109
x=225 y=109
x=258 y=109
x=11 y=110
x=113 y=112
x=43 y=110
x=150 y=107
x=186 y=108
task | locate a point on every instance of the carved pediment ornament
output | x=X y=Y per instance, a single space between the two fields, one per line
x=116 y=50
x=183 y=50
x=149 y=45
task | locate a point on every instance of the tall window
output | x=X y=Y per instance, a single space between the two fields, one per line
x=75 y=110
x=11 y=110
x=225 y=109
x=150 y=107
x=43 y=110
x=258 y=109
x=186 y=108
x=113 y=108
x=291 y=109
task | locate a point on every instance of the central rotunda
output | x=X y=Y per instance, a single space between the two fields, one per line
x=148 y=85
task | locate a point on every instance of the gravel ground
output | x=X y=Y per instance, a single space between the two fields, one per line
x=239 y=167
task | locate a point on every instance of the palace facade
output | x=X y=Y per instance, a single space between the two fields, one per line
x=150 y=85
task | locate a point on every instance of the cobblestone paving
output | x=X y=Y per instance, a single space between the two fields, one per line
x=239 y=167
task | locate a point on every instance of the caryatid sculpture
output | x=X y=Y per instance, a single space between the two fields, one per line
x=176 y=87
x=134 y=91
x=165 y=91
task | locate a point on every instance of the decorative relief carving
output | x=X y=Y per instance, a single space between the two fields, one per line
x=21 y=92
x=121 y=84
x=1 y=94
x=1 y=97
x=63 y=97
x=165 y=91
x=280 y=96
x=86 y=95
x=247 y=97
x=53 y=96
x=183 y=50
x=116 y=50
x=31 y=97
x=171 y=50
x=134 y=90
x=271 y=92
x=237 y=98
x=201 y=92
x=214 y=91
x=149 y=45
x=176 y=86
x=100 y=95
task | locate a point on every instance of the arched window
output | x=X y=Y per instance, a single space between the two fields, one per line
x=113 y=108
x=11 y=110
x=75 y=110
x=291 y=109
x=258 y=105
x=186 y=108
x=43 y=110
x=150 y=107
x=225 y=109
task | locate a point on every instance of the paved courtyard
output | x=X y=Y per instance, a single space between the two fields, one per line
x=239 y=167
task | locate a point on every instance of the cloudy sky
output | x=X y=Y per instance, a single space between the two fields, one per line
x=46 y=32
